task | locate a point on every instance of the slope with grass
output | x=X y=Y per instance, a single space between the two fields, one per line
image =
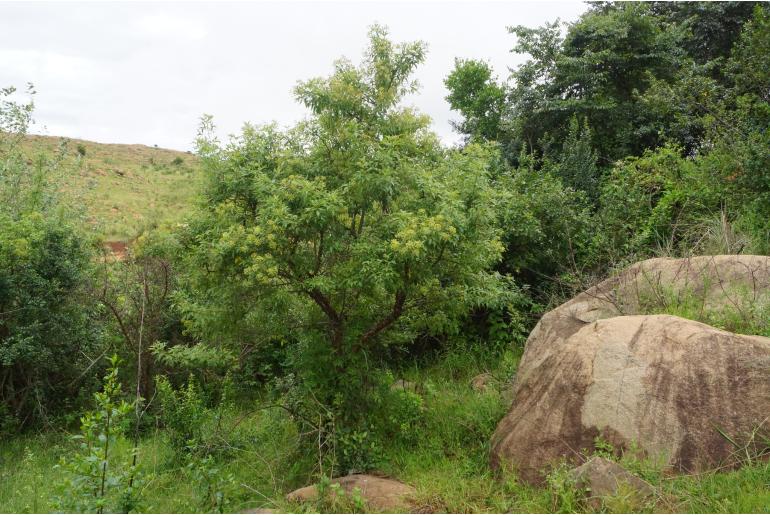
x=123 y=188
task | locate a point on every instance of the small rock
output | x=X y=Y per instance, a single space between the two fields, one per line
x=481 y=382
x=603 y=478
x=379 y=493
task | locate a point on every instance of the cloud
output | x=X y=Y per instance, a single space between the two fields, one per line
x=166 y=26
x=145 y=72
x=39 y=64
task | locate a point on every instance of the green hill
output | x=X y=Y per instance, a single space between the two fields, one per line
x=125 y=187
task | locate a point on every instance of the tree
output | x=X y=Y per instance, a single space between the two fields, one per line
x=475 y=93
x=136 y=292
x=596 y=70
x=604 y=62
x=350 y=232
x=712 y=27
x=547 y=226
x=747 y=65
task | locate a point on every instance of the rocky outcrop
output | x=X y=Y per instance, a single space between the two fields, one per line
x=732 y=282
x=675 y=388
x=379 y=493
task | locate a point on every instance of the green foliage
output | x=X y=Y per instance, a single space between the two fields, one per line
x=546 y=226
x=95 y=479
x=184 y=414
x=359 y=451
x=662 y=203
x=198 y=357
x=447 y=462
x=746 y=64
x=747 y=312
x=350 y=233
x=215 y=485
x=711 y=28
x=121 y=191
x=332 y=498
x=577 y=164
x=594 y=72
x=633 y=71
x=46 y=325
x=565 y=496
x=475 y=93
x=192 y=415
x=328 y=259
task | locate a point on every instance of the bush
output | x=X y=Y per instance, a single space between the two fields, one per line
x=184 y=414
x=47 y=325
x=98 y=478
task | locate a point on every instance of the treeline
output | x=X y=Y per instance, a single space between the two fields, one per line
x=655 y=113
x=324 y=257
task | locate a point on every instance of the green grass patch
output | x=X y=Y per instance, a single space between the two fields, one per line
x=257 y=460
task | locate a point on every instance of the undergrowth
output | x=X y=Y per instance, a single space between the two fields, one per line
x=253 y=460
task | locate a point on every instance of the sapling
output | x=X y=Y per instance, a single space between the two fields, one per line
x=93 y=470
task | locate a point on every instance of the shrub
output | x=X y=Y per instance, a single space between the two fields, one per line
x=98 y=478
x=47 y=325
x=184 y=414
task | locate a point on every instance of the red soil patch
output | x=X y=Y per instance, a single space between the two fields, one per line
x=117 y=249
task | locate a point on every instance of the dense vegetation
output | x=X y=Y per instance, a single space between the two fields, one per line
x=325 y=304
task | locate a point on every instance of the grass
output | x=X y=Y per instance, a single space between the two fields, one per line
x=125 y=188
x=741 y=310
x=446 y=460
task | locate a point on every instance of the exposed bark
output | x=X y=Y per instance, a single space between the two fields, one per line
x=395 y=314
x=335 y=320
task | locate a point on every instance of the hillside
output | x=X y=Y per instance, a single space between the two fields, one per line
x=124 y=187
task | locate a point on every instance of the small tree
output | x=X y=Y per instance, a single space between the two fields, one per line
x=475 y=93
x=95 y=472
x=577 y=163
x=350 y=232
x=136 y=292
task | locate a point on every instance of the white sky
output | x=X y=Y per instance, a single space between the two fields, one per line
x=146 y=72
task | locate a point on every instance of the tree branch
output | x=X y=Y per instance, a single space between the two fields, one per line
x=395 y=313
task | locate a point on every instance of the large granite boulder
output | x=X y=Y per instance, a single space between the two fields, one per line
x=717 y=282
x=675 y=388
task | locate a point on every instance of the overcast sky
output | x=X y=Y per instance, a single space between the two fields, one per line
x=146 y=72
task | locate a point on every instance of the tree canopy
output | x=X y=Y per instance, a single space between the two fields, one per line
x=353 y=230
